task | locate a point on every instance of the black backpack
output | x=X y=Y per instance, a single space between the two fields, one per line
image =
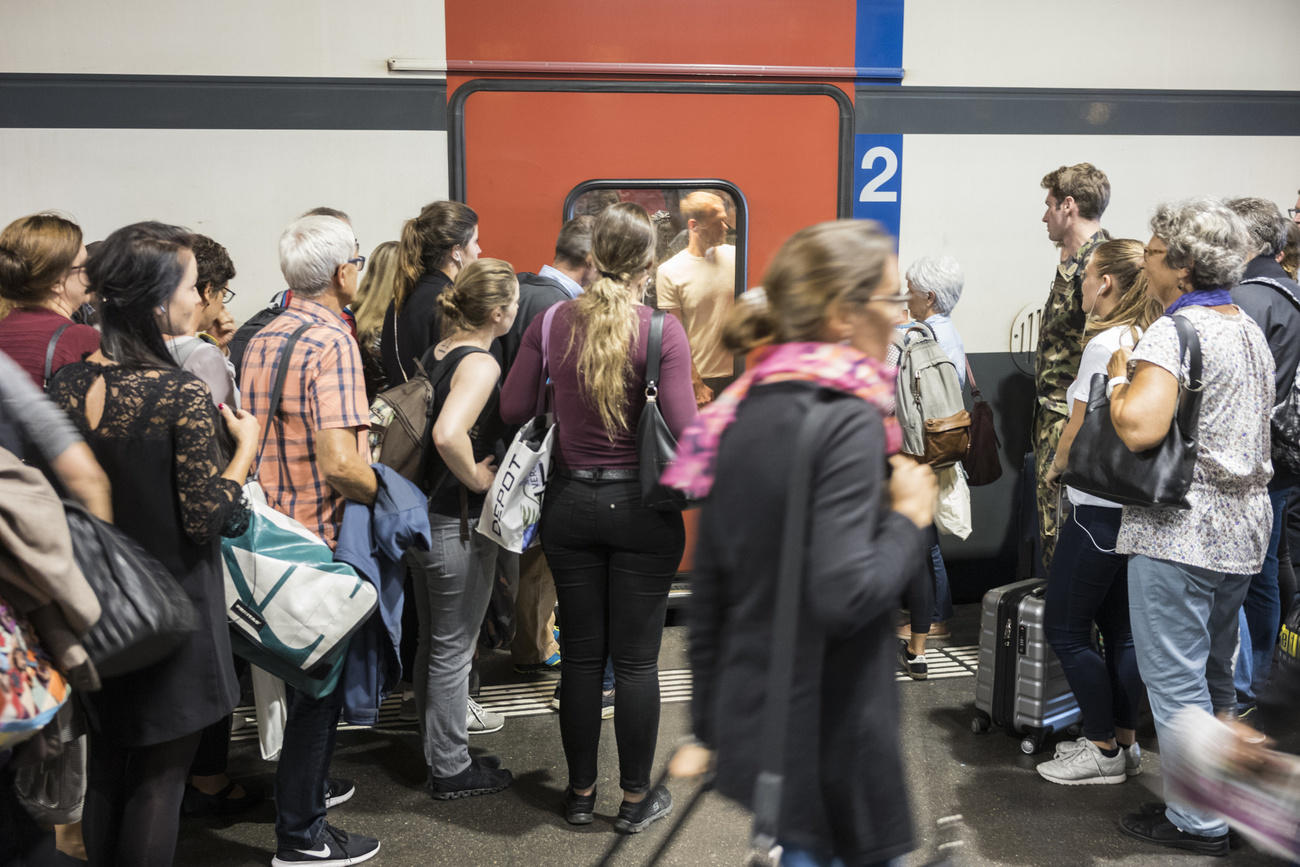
x=255 y=323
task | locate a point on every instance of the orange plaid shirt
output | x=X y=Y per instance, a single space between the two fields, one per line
x=324 y=390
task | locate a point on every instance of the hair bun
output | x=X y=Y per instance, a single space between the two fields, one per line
x=14 y=272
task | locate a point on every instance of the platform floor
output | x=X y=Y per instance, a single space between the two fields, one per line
x=1012 y=816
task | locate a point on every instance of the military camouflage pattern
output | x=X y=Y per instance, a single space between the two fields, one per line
x=1060 y=345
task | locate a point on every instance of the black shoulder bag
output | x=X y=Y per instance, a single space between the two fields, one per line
x=655 y=444
x=1100 y=463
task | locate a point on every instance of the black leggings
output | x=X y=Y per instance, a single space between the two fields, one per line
x=919 y=596
x=133 y=800
x=614 y=562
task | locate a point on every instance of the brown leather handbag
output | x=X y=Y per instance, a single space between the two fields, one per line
x=981 y=461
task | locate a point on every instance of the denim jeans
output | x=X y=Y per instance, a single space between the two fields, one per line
x=453 y=585
x=1261 y=613
x=614 y=562
x=1088 y=583
x=794 y=857
x=302 y=775
x=942 y=610
x=1184 y=631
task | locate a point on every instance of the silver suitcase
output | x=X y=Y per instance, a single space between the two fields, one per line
x=1020 y=685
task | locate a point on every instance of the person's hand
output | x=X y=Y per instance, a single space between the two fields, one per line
x=913 y=490
x=690 y=760
x=1053 y=473
x=485 y=471
x=1249 y=750
x=703 y=394
x=223 y=330
x=1118 y=364
x=242 y=425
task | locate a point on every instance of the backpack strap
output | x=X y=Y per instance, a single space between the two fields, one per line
x=49 y=352
x=277 y=390
x=785 y=628
x=540 y=406
x=436 y=373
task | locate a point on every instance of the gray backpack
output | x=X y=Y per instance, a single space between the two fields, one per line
x=931 y=410
x=1286 y=415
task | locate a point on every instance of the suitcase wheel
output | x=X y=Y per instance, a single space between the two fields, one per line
x=1031 y=744
x=980 y=723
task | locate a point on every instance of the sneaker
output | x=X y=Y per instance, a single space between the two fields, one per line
x=635 y=818
x=579 y=809
x=481 y=721
x=1084 y=765
x=550 y=666
x=477 y=779
x=1154 y=827
x=334 y=849
x=913 y=664
x=337 y=791
x=607 y=704
x=223 y=803
x=555 y=698
x=1132 y=755
x=408 y=712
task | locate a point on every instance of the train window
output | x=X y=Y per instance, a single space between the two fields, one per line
x=700 y=229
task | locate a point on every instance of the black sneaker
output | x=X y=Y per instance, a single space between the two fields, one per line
x=477 y=779
x=913 y=665
x=334 y=849
x=579 y=809
x=339 y=790
x=635 y=818
x=224 y=803
x=1153 y=827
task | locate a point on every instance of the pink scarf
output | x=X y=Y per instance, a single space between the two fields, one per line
x=831 y=365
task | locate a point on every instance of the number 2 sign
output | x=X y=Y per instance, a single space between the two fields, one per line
x=878 y=179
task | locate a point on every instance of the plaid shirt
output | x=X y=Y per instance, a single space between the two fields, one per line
x=325 y=390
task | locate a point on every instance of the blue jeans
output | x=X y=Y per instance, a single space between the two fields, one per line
x=1261 y=613
x=942 y=610
x=1184 y=630
x=793 y=857
x=1089 y=583
x=302 y=775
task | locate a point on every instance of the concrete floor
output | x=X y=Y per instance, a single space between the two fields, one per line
x=1012 y=816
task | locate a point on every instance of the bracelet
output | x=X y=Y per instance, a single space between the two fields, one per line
x=1115 y=381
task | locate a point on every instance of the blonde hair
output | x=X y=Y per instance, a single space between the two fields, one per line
x=480 y=288
x=1121 y=260
x=622 y=247
x=837 y=262
x=376 y=291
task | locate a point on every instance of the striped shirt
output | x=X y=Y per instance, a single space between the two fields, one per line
x=325 y=390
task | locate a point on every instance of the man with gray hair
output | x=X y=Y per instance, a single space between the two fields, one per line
x=313 y=460
x=1270 y=297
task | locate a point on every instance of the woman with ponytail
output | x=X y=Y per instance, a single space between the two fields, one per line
x=153 y=429
x=824 y=319
x=435 y=246
x=1088 y=581
x=42 y=283
x=453 y=580
x=613 y=558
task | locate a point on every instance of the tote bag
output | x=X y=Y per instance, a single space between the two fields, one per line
x=512 y=509
x=31 y=689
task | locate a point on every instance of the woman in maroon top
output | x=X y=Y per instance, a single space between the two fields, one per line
x=42 y=281
x=613 y=558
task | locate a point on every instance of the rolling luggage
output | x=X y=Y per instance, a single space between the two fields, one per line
x=1020 y=685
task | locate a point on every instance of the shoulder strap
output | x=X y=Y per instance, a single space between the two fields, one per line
x=1278 y=285
x=544 y=380
x=397 y=349
x=1189 y=393
x=654 y=349
x=277 y=390
x=49 y=352
x=970 y=377
x=785 y=628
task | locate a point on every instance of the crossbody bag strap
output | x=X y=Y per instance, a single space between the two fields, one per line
x=970 y=377
x=49 y=352
x=654 y=351
x=277 y=390
x=397 y=348
x=540 y=406
x=1188 y=412
x=785 y=627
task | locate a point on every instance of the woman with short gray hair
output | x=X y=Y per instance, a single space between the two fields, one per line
x=1189 y=568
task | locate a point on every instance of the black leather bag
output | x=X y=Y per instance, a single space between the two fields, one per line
x=1100 y=463
x=655 y=444
x=145 y=612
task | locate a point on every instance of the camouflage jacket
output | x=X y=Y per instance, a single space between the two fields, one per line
x=1060 y=332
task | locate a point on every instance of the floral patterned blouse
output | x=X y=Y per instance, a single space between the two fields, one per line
x=1227 y=527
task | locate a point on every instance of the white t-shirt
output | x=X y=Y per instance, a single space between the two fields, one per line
x=1096 y=355
x=700 y=291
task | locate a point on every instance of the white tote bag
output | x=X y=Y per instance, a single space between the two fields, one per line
x=512 y=509
x=953 y=514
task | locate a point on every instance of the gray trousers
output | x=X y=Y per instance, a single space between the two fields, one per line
x=453 y=585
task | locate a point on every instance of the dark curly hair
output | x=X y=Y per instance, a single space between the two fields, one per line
x=213 y=261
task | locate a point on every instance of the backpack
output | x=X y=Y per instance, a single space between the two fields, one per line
x=254 y=324
x=930 y=408
x=401 y=422
x=1285 y=418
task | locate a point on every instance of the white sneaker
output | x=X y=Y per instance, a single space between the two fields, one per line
x=1084 y=765
x=1132 y=755
x=481 y=721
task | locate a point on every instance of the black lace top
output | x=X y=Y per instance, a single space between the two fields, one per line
x=156 y=440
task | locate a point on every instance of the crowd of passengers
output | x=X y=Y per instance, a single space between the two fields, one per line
x=136 y=391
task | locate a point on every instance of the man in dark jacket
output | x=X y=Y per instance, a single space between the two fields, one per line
x=1274 y=303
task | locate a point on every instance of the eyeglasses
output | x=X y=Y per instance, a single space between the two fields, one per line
x=900 y=298
x=1293 y=212
x=227 y=295
x=359 y=261
x=79 y=270
x=1150 y=253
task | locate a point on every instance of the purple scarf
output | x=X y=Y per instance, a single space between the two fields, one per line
x=1201 y=297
